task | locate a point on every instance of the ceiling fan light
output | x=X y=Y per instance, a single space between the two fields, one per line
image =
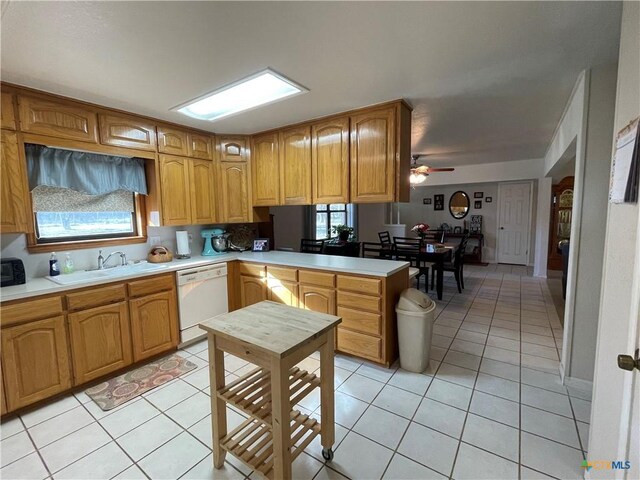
x=417 y=178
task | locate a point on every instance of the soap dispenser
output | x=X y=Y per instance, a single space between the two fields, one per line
x=54 y=269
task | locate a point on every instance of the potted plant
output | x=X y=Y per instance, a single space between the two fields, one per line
x=420 y=229
x=342 y=231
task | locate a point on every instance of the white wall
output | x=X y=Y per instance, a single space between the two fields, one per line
x=371 y=220
x=416 y=212
x=616 y=329
x=490 y=173
x=592 y=217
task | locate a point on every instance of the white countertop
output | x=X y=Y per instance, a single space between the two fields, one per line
x=333 y=263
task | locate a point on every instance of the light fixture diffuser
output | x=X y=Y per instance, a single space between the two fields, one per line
x=258 y=89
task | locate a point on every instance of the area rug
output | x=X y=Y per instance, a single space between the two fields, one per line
x=121 y=389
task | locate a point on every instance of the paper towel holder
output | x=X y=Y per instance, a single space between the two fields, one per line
x=183 y=249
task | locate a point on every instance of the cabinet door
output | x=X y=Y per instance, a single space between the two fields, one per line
x=232 y=149
x=265 y=170
x=154 y=324
x=35 y=361
x=252 y=290
x=173 y=141
x=372 y=156
x=202 y=192
x=125 y=131
x=60 y=119
x=295 y=166
x=15 y=200
x=317 y=299
x=199 y=146
x=100 y=341
x=282 y=291
x=7 y=112
x=175 y=190
x=330 y=161
x=232 y=186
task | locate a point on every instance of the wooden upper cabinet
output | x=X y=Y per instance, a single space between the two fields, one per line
x=100 y=341
x=35 y=361
x=295 y=166
x=15 y=193
x=173 y=141
x=125 y=131
x=373 y=155
x=330 y=161
x=7 y=112
x=199 y=146
x=202 y=192
x=175 y=190
x=232 y=149
x=265 y=171
x=154 y=324
x=58 y=118
x=233 y=192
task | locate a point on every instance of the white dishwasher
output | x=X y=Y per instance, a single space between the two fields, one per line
x=202 y=294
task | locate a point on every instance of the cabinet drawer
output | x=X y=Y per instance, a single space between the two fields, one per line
x=359 y=302
x=279 y=273
x=95 y=297
x=252 y=269
x=359 y=344
x=31 y=310
x=151 y=285
x=359 y=321
x=371 y=286
x=317 y=278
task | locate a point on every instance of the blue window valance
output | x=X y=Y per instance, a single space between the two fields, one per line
x=90 y=173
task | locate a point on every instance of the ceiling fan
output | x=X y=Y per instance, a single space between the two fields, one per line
x=419 y=173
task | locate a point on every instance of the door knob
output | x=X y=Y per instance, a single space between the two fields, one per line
x=501 y=228
x=627 y=362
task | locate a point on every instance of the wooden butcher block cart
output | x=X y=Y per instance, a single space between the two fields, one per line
x=274 y=337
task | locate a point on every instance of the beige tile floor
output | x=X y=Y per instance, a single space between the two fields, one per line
x=490 y=405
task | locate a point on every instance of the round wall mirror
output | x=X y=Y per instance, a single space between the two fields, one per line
x=459 y=204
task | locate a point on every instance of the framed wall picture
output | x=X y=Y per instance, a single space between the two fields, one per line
x=438 y=202
x=488 y=199
x=260 y=245
x=477 y=204
x=426 y=201
x=478 y=194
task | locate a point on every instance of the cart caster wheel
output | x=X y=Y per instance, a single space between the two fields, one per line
x=327 y=454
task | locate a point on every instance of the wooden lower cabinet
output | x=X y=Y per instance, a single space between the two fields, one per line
x=154 y=324
x=100 y=341
x=252 y=290
x=282 y=291
x=318 y=299
x=35 y=361
x=359 y=344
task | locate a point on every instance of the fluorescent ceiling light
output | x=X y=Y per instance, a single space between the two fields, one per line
x=258 y=89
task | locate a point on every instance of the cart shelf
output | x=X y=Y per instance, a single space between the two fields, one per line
x=251 y=393
x=251 y=442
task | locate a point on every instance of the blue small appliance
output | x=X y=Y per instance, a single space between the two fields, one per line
x=215 y=241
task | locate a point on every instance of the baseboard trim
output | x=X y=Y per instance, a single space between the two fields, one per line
x=578 y=383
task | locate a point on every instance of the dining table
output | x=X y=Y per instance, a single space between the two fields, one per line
x=434 y=253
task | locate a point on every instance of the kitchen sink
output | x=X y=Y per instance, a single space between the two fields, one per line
x=113 y=272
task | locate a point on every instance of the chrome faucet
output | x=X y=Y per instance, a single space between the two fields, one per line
x=102 y=260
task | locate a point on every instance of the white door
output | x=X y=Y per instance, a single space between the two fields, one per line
x=513 y=222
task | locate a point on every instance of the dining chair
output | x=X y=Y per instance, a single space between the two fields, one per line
x=456 y=267
x=309 y=245
x=407 y=249
x=385 y=237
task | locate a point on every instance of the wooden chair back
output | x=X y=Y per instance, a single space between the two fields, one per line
x=384 y=237
x=309 y=245
x=374 y=250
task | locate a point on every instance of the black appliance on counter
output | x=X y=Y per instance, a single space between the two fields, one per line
x=12 y=272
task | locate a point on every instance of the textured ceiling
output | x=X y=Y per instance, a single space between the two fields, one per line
x=488 y=81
